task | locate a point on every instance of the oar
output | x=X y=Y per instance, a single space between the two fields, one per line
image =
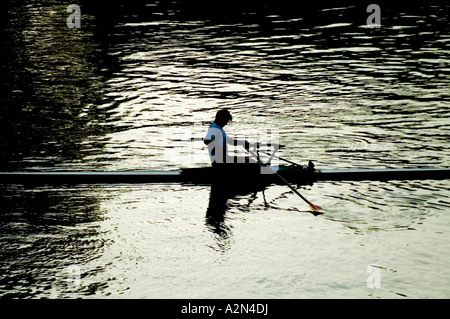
x=283 y=159
x=315 y=208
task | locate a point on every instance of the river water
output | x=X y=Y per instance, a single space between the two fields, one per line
x=137 y=82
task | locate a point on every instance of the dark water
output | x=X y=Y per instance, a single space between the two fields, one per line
x=137 y=80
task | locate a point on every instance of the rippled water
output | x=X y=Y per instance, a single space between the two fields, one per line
x=132 y=87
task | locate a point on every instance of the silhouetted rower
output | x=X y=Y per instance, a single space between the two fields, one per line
x=217 y=140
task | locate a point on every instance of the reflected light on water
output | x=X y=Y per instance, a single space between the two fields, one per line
x=129 y=88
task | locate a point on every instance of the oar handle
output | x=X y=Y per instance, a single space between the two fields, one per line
x=276 y=145
x=283 y=159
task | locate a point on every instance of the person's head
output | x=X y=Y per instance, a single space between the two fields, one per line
x=223 y=117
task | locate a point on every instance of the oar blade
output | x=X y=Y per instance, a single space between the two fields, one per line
x=316 y=208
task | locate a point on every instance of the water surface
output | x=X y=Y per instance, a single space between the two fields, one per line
x=134 y=84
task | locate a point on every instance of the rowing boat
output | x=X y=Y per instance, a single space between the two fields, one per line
x=239 y=175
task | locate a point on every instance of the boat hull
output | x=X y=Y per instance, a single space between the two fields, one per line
x=235 y=176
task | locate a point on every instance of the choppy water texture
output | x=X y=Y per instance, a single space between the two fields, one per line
x=136 y=82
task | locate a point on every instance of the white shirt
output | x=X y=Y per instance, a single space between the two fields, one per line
x=218 y=146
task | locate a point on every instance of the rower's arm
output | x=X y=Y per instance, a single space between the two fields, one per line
x=243 y=143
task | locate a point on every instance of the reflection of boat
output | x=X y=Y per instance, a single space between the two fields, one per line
x=239 y=175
